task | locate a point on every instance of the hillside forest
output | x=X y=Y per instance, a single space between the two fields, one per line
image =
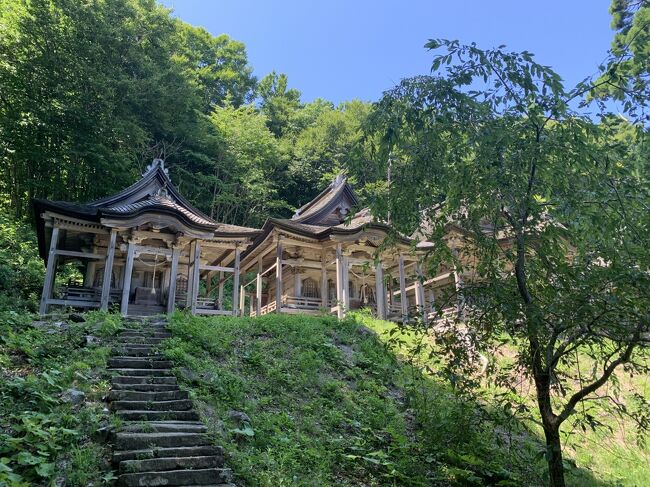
x=92 y=91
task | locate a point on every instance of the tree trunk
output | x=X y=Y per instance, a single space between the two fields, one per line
x=554 y=455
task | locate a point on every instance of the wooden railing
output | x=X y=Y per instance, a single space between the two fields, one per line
x=83 y=297
x=80 y=293
x=298 y=303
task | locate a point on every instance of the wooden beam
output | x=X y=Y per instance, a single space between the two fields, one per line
x=216 y=268
x=108 y=271
x=340 y=312
x=84 y=255
x=190 y=275
x=128 y=272
x=346 y=285
x=89 y=278
x=258 y=288
x=220 y=292
x=380 y=292
x=74 y=303
x=278 y=277
x=402 y=288
x=324 y=289
x=196 y=274
x=173 y=276
x=235 y=285
x=299 y=243
x=302 y=263
x=419 y=292
x=48 y=282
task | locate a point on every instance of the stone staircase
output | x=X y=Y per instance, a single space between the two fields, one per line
x=161 y=440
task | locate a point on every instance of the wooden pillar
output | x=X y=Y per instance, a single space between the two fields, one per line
x=402 y=289
x=190 y=275
x=89 y=278
x=324 y=289
x=208 y=283
x=346 y=285
x=419 y=293
x=380 y=292
x=108 y=271
x=297 y=282
x=278 y=278
x=48 y=283
x=460 y=299
x=339 y=282
x=173 y=276
x=258 y=288
x=235 y=285
x=128 y=272
x=242 y=299
x=196 y=275
x=220 y=293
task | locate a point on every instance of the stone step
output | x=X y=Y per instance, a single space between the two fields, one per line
x=183 y=451
x=135 y=351
x=139 y=441
x=145 y=415
x=145 y=334
x=164 y=427
x=173 y=405
x=139 y=363
x=147 y=395
x=117 y=386
x=139 y=340
x=142 y=372
x=172 y=463
x=209 y=476
x=143 y=380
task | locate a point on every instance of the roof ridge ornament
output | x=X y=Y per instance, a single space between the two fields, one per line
x=155 y=164
x=340 y=179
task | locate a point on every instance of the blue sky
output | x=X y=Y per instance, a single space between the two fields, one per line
x=340 y=50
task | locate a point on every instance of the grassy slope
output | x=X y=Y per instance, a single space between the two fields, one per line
x=329 y=404
x=44 y=438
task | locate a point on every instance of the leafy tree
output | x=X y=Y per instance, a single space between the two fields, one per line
x=552 y=212
x=234 y=173
x=278 y=102
x=220 y=66
x=626 y=74
x=84 y=90
x=326 y=147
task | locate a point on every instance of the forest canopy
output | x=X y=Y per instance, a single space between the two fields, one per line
x=93 y=91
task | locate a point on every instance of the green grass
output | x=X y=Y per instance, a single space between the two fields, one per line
x=42 y=436
x=331 y=404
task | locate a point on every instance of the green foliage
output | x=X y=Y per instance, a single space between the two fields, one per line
x=330 y=403
x=625 y=75
x=549 y=212
x=39 y=427
x=149 y=85
x=21 y=269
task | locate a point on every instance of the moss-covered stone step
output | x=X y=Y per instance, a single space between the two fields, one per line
x=147 y=395
x=210 y=476
x=139 y=441
x=146 y=415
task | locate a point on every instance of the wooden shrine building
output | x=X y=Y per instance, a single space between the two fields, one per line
x=147 y=250
x=324 y=259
